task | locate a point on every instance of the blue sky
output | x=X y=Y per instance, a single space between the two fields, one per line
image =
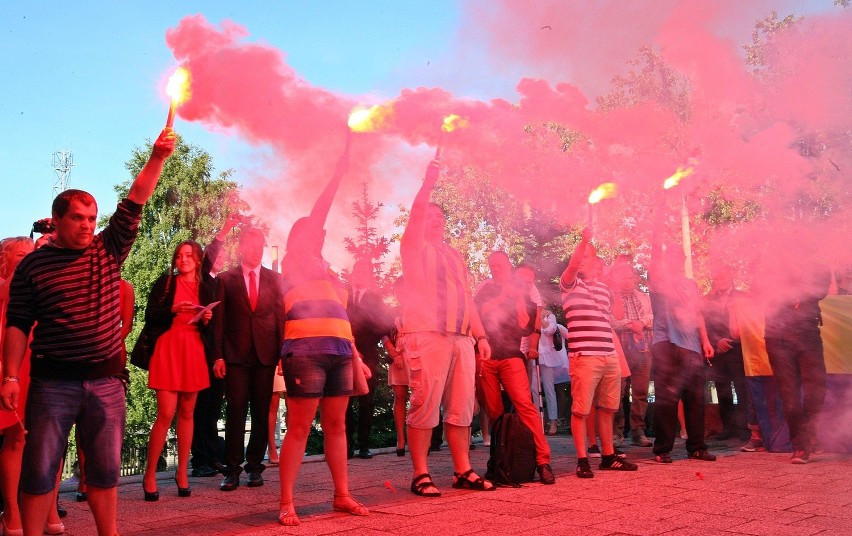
x=84 y=77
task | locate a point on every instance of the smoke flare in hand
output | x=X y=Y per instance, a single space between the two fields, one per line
x=177 y=89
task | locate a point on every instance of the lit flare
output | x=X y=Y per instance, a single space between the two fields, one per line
x=453 y=121
x=604 y=191
x=178 y=91
x=370 y=119
x=675 y=179
x=449 y=124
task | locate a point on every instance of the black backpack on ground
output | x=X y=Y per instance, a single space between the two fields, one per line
x=512 y=460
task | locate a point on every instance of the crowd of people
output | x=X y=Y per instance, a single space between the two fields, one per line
x=250 y=336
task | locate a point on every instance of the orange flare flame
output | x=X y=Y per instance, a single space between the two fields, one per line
x=453 y=121
x=675 y=179
x=178 y=86
x=604 y=191
x=369 y=119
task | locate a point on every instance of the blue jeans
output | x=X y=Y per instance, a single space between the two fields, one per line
x=99 y=409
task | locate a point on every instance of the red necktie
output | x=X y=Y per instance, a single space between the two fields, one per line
x=252 y=290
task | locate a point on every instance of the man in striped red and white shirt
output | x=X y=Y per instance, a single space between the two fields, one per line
x=594 y=366
x=69 y=290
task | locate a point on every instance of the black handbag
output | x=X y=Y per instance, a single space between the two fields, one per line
x=557 y=340
x=143 y=350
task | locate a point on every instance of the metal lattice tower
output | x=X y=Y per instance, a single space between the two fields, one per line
x=62 y=161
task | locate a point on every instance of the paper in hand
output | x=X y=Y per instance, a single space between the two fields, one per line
x=201 y=312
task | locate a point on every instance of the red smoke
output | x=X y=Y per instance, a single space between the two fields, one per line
x=742 y=132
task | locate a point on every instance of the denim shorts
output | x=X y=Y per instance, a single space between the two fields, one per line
x=317 y=375
x=99 y=409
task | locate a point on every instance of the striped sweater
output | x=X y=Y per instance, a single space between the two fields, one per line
x=587 y=309
x=72 y=298
x=316 y=321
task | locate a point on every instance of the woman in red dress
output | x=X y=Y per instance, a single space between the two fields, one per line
x=178 y=368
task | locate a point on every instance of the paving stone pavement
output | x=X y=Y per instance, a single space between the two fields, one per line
x=741 y=493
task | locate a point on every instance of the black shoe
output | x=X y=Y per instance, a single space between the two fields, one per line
x=702 y=455
x=365 y=454
x=350 y=454
x=584 y=470
x=800 y=457
x=80 y=496
x=663 y=457
x=254 y=480
x=204 y=471
x=616 y=463
x=435 y=448
x=400 y=452
x=182 y=492
x=545 y=474
x=230 y=483
x=151 y=496
x=61 y=512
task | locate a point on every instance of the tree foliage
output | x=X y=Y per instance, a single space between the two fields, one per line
x=367 y=244
x=761 y=38
x=650 y=79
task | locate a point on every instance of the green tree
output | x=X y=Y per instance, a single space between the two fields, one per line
x=367 y=244
x=650 y=79
x=761 y=39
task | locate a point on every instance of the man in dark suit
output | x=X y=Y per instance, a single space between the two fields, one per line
x=248 y=336
x=371 y=320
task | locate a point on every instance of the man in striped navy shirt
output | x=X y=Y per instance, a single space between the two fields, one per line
x=594 y=367
x=69 y=290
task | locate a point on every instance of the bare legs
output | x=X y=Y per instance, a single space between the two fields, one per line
x=185 y=411
x=300 y=415
x=273 y=424
x=169 y=403
x=579 y=432
x=104 y=505
x=11 y=454
x=596 y=424
x=400 y=407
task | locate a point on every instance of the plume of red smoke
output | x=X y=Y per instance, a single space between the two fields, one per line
x=744 y=132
